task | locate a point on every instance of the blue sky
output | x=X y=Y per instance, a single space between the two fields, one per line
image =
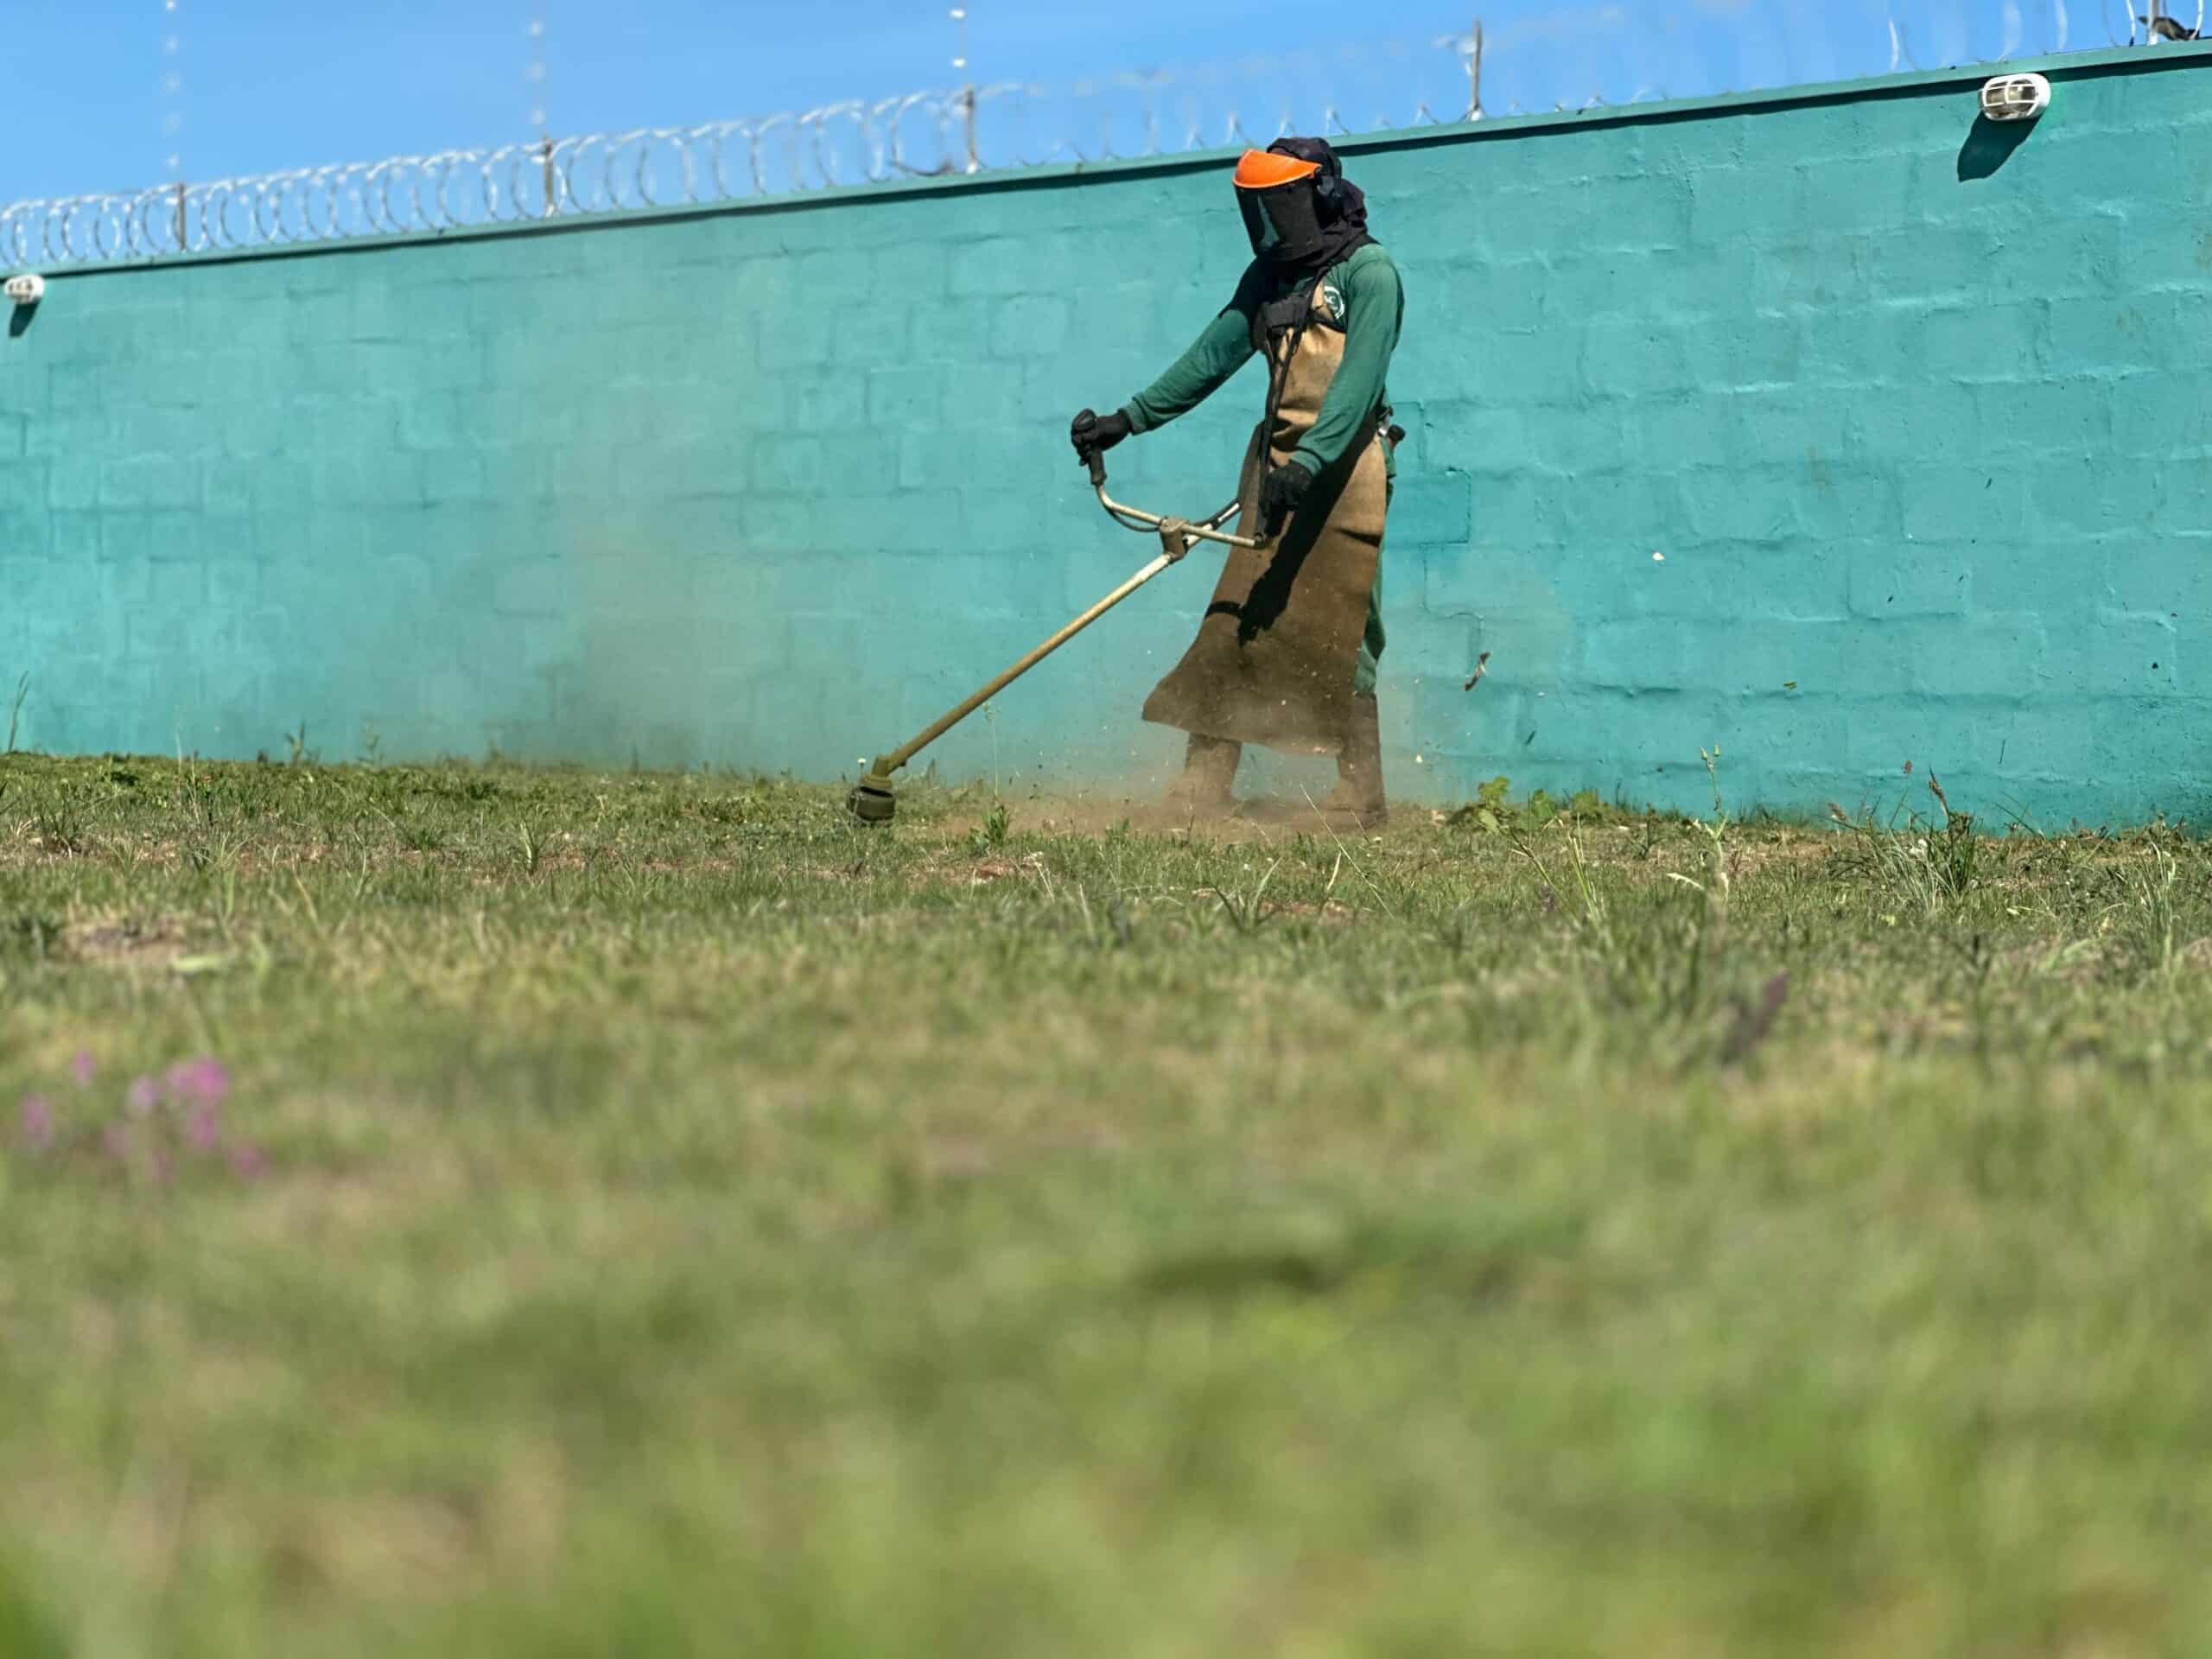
x=264 y=85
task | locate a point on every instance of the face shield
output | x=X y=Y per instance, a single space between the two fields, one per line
x=1281 y=213
x=1284 y=223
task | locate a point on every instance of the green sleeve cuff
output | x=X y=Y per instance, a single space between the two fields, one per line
x=1134 y=416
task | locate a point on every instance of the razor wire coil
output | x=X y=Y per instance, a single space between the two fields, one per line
x=1548 y=61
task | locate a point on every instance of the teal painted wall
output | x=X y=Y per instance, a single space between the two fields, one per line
x=1924 y=446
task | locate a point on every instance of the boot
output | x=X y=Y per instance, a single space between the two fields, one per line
x=1209 y=768
x=1357 y=797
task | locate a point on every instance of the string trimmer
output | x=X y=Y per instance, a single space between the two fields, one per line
x=872 y=801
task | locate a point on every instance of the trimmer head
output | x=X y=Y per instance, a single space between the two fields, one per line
x=872 y=801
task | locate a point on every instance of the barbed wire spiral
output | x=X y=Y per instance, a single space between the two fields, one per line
x=1560 y=60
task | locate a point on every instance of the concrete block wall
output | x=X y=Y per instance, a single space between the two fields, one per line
x=1913 y=420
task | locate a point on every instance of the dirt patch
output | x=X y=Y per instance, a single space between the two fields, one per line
x=1331 y=913
x=1750 y=858
x=998 y=869
x=136 y=941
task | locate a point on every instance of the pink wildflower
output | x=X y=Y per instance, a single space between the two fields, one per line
x=37 y=1123
x=81 y=1068
x=141 y=1097
x=203 y=1081
x=247 y=1161
x=200 y=1129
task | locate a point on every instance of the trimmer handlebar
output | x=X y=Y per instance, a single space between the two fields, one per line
x=1208 y=529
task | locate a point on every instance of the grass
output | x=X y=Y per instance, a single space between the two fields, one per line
x=598 y=1214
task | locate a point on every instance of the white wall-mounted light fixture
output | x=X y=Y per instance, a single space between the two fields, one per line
x=2015 y=98
x=27 y=290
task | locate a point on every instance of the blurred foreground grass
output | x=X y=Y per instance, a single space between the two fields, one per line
x=609 y=1214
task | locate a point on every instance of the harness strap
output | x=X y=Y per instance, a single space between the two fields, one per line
x=1277 y=317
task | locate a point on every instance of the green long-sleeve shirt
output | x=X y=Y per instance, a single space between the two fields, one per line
x=1374 y=311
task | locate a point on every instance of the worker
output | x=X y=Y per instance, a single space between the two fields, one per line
x=1286 y=654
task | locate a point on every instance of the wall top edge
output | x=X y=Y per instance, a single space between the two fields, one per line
x=2071 y=66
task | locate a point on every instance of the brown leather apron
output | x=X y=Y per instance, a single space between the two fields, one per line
x=1275 y=655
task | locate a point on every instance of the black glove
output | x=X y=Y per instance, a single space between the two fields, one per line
x=1280 y=492
x=1093 y=433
